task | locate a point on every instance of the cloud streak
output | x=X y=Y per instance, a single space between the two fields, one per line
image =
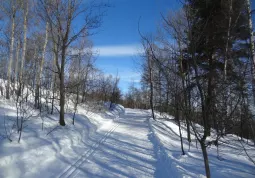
x=118 y=50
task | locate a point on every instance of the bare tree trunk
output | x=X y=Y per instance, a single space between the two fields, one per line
x=9 y=74
x=40 y=69
x=151 y=86
x=177 y=116
x=184 y=92
x=115 y=86
x=62 y=101
x=76 y=102
x=228 y=38
x=252 y=55
x=77 y=88
x=61 y=25
x=54 y=78
x=21 y=128
x=206 y=161
x=252 y=130
x=226 y=58
x=25 y=6
x=62 y=89
x=53 y=93
x=17 y=66
x=210 y=104
x=204 y=109
x=252 y=48
x=160 y=92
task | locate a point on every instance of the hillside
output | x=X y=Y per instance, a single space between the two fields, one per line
x=117 y=143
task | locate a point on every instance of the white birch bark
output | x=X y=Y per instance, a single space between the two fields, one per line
x=25 y=5
x=43 y=56
x=17 y=64
x=227 y=43
x=252 y=48
x=9 y=74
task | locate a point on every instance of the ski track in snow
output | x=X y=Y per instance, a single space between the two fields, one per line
x=70 y=171
x=126 y=151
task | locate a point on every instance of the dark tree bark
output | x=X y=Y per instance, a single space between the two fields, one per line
x=206 y=161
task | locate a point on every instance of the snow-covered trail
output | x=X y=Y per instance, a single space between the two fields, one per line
x=124 y=151
x=102 y=146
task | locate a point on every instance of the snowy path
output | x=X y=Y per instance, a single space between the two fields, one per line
x=99 y=146
x=124 y=151
x=85 y=156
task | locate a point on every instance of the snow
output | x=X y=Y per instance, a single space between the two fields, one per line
x=120 y=142
x=233 y=162
x=44 y=154
x=126 y=152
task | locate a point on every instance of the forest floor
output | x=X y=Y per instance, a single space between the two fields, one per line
x=117 y=143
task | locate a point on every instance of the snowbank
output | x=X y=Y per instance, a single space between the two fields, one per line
x=234 y=162
x=52 y=149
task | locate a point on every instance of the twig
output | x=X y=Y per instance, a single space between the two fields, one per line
x=246 y=152
x=52 y=130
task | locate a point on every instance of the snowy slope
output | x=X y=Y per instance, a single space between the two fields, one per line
x=43 y=153
x=116 y=143
x=233 y=162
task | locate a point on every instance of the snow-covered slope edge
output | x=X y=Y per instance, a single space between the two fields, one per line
x=53 y=149
x=165 y=135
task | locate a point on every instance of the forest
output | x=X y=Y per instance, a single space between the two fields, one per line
x=199 y=67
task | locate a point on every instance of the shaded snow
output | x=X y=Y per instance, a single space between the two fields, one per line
x=111 y=143
x=233 y=163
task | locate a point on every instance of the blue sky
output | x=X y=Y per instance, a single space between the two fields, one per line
x=118 y=41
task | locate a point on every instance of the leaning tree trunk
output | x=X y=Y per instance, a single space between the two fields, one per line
x=11 y=54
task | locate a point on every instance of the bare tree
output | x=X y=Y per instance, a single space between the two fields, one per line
x=61 y=16
x=174 y=26
x=115 y=92
x=252 y=47
x=24 y=47
x=148 y=67
x=40 y=69
x=11 y=13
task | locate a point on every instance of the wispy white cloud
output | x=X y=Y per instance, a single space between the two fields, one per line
x=118 y=50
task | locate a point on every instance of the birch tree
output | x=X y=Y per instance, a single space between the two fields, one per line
x=61 y=16
x=11 y=13
x=40 y=68
x=252 y=54
x=24 y=48
x=252 y=47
